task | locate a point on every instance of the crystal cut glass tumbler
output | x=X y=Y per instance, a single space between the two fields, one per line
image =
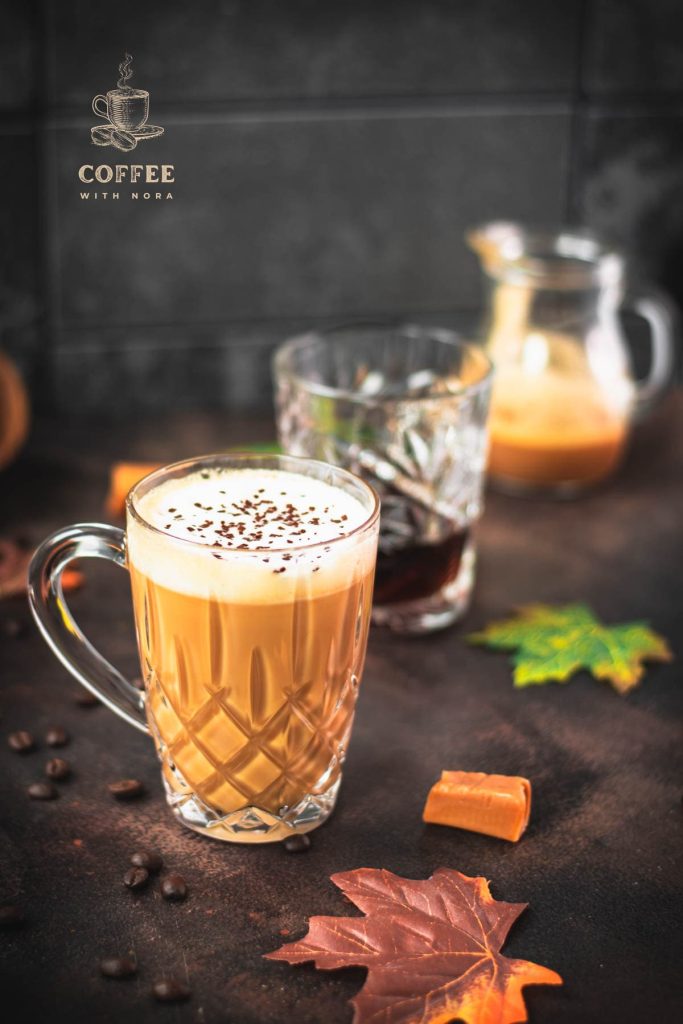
x=251 y=653
x=406 y=408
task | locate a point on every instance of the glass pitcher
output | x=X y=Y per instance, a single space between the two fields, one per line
x=564 y=394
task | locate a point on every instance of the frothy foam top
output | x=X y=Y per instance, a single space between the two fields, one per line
x=251 y=509
x=234 y=512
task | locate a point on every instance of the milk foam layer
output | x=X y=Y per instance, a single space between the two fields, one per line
x=261 y=535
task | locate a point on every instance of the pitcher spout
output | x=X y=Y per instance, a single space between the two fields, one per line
x=496 y=242
x=557 y=257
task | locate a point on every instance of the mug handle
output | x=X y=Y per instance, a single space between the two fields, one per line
x=96 y=110
x=659 y=312
x=46 y=598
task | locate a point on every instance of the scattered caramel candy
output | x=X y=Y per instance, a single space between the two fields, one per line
x=497 y=805
x=123 y=477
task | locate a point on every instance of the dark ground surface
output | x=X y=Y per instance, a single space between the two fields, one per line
x=600 y=864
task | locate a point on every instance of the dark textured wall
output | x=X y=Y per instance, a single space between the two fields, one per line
x=328 y=158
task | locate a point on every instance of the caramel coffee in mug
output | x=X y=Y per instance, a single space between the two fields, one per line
x=251 y=656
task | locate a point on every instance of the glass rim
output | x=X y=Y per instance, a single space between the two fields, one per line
x=199 y=461
x=518 y=252
x=444 y=335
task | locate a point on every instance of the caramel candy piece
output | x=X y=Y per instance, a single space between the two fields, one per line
x=497 y=805
x=123 y=477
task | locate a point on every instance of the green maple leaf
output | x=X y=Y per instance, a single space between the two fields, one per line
x=553 y=643
x=259 y=448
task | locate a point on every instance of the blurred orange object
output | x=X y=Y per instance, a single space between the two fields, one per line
x=14 y=411
x=14 y=562
x=122 y=477
x=497 y=805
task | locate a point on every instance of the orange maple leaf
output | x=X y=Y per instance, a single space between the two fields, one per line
x=432 y=949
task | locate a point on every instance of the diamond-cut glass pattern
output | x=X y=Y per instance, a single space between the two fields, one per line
x=251 y=706
x=425 y=458
x=405 y=408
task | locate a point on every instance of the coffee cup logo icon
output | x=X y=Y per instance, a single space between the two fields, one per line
x=126 y=111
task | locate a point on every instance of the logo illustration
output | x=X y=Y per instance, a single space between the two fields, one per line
x=126 y=111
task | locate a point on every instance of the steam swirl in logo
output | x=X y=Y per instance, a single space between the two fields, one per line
x=125 y=72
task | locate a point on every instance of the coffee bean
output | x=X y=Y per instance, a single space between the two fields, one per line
x=118 y=967
x=42 y=791
x=21 y=741
x=136 y=878
x=169 y=990
x=56 y=736
x=173 y=888
x=297 y=844
x=126 y=789
x=149 y=859
x=11 y=916
x=85 y=699
x=57 y=768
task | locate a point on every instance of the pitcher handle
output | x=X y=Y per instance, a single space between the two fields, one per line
x=660 y=313
x=56 y=623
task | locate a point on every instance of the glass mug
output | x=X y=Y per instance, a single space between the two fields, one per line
x=251 y=656
x=404 y=407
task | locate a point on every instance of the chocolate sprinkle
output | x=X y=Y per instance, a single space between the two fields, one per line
x=254 y=520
